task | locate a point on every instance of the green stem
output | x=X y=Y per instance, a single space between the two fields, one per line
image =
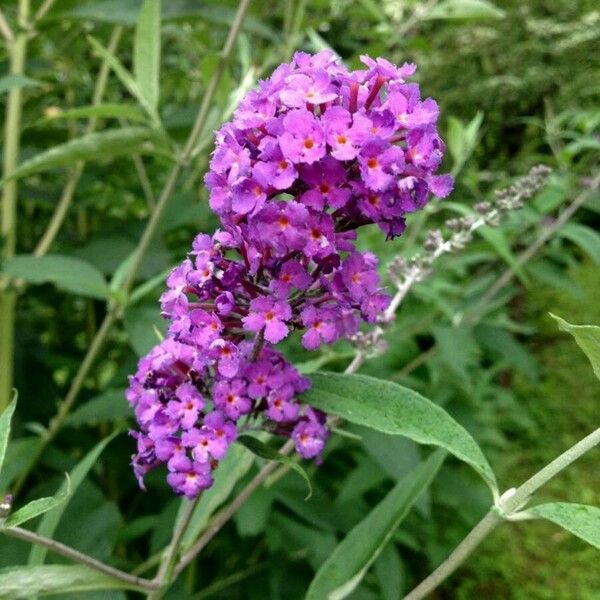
x=12 y=143
x=165 y=570
x=509 y=503
x=71 y=553
x=142 y=247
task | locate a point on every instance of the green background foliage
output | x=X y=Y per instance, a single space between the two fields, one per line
x=518 y=85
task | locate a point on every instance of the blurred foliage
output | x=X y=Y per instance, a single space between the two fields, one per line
x=518 y=84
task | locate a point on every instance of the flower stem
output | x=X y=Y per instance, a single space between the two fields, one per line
x=507 y=505
x=71 y=553
x=12 y=142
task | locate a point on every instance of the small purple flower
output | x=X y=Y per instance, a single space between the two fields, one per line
x=187 y=406
x=231 y=399
x=191 y=478
x=281 y=406
x=320 y=327
x=303 y=140
x=270 y=315
x=310 y=435
x=360 y=278
x=291 y=276
x=379 y=162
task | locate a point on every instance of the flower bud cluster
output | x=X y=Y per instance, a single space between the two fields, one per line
x=312 y=155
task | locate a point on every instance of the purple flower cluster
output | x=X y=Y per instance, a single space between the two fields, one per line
x=312 y=155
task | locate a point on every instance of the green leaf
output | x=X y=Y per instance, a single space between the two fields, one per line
x=346 y=567
x=497 y=239
x=38 y=507
x=50 y=521
x=585 y=237
x=68 y=273
x=10 y=82
x=579 y=519
x=465 y=9
x=394 y=409
x=261 y=449
x=146 y=52
x=5 y=419
x=105 y=144
x=141 y=323
x=232 y=468
x=109 y=406
x=98 y=111
x=28 y=582
x=587 y=338
x=125 y=77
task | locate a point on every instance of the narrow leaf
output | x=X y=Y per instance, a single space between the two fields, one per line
x=98 y=111
x=263 y=451
x=10 y=82
x=579 y=519
x=585 y=237
x=233 y=467
x=587 y=338
x=465 y=9
x=38 y=507
x=5 y=419
x=146 y=52
x=28 y=582
x=350 y=561
x=109 y=406
x=68 y=273
x=124 y=76
x=93 y=146
x=394 y=409
x=50 y=521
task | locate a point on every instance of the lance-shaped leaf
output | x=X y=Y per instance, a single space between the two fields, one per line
x=29 y=582
x=105 y=144
x=50 y=520
x=10 y=82
x=579 y=519
x=259 y=448
x=5 y=419
x=38 y=507
x=394 y=409
x=97 y=111
x=587 y=338
x=66 y=272
x=345 y=568
x=125 y=77
x=146 y=52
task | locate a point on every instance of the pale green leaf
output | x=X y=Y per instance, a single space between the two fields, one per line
x=108 y=406
x=146 y=51
x=5 y=419
x=345 y=568
x=68 y=273
x=28 y=582
x=585 y=237
x=10 y=82
x=232 y=468
x=141 y=324
x=259 y=448
x=125 y=77
x=50 y=520
x=37 y=507
x=587 y=338
x=93 y=146
x=579 y=519
x=465 y=9
x=97 y=111
x=497 y=239
x=394 y=409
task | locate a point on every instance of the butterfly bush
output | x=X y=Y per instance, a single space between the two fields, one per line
x=313 y=154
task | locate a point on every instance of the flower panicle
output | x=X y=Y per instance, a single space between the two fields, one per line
x=311 y=155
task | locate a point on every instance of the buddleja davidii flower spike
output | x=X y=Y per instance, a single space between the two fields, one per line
x=313 y=154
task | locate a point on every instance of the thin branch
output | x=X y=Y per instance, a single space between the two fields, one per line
x=68 y=552
x=43 y=10
x=166 y=564
x=5 y=30
x=510 y=502
x=537 y=245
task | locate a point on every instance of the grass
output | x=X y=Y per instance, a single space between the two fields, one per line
x=537 y=560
